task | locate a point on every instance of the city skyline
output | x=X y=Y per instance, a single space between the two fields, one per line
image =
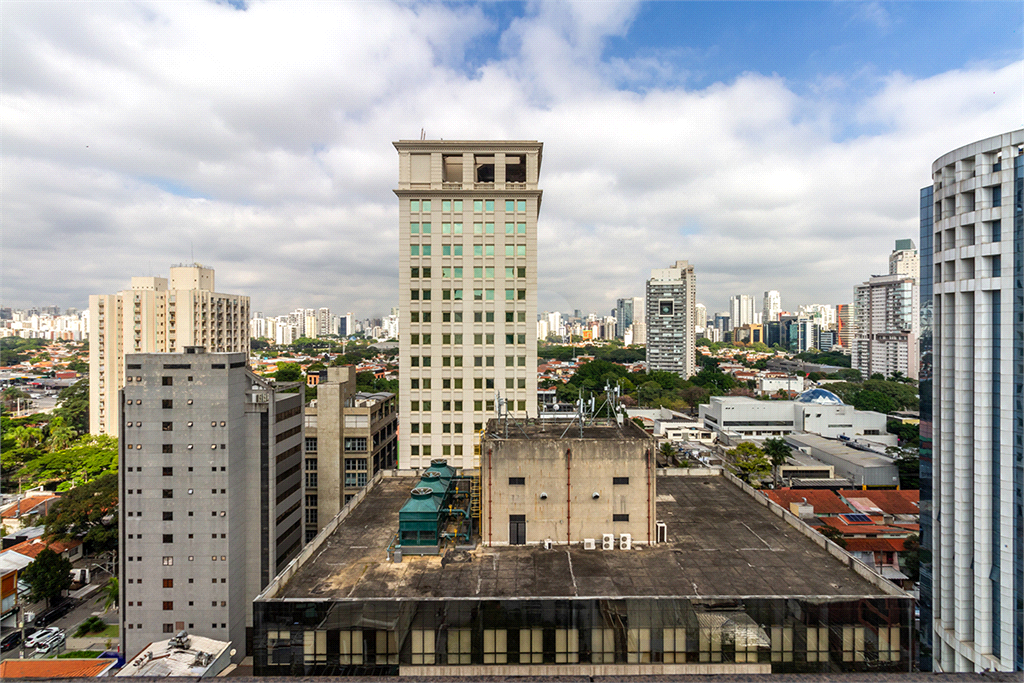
x=744 y=150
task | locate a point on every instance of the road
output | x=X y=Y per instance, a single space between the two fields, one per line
x=89 y=607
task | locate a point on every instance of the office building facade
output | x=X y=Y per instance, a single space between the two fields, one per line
x=350 y=436
x=628 y=312
x=972 y=457
x=771 y=306
x=741 y=310
x=157 y=316
x=211 y=494
x=468 y=291
x=671 y=316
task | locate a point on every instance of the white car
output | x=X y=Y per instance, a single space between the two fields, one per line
x=41 y=635
x=50 y=644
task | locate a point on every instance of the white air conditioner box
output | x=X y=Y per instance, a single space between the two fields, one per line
x=661 y=532
x=548 y=543
x=607 y=541
x=589 y=544
x=625 y=541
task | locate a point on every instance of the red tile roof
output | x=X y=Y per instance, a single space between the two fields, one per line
x=904 y=502
x=875 y=544
x=872 y=529
x=32 y=547
x=825 y=502
x=54 y=668
x=26 y=506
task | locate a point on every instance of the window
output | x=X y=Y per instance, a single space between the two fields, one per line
x=314 y=647
x=817 y=643
x=168 y=493
x=168 y=448
x=459 y=646
x=168 y=561
x=168 y=583
x=168 y=628
x=602 y=645
x=168 y=538
x=168 y=472
x=423 y=646
x=495 y=646
x=167 y=403
x=531 y=645
x=168 y=426
x=853 y=643
x=620 y=518
x=311 y=480
x=674 y=645
x=167 y=381
x=517 y=481
x=617 y=481
x=168 y=516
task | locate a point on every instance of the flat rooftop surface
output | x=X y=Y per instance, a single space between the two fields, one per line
x=721 y=542
x=839 y=449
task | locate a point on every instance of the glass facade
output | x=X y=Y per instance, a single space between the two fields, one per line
x=926 y=252
x=376 y=637
x=1018 y=410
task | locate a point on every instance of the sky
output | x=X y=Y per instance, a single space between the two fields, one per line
x=774 y=145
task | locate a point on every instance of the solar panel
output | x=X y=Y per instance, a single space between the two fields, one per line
x=857 y=519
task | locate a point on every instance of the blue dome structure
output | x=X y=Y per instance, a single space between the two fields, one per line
x=820 y=397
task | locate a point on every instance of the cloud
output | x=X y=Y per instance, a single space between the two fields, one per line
x=261 y=138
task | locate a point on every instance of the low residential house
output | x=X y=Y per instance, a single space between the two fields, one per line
x=34 y=505
x=71 y=550
x=824 y=503
x=56 y=669
x=11 y=566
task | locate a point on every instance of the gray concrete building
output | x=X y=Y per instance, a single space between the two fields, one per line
x=849 y=460
x=210 y=491
x=671 y=319
x=349 y=436
x=467 y=291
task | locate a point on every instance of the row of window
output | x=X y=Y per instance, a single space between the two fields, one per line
x=479 y=272
x=456 y=361
x=455 y=228
x=521 y=481
x=456 y=205
x=168 y=560
x=456 y=250
x=168 y=515
x=456 y=316
x=482 y=338
x=446 y=449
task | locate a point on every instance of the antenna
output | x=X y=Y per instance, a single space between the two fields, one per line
x=423 y=133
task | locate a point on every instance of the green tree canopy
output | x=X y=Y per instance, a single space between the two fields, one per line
x=73 y=406
x=48 y=575
x=749 y=462
x=88 y=510
x=288 y=372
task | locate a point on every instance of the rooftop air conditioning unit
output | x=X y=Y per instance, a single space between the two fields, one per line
x=548 y=543
x=607 y=541
x=625 y=541
x=661 y=532
x=589 y=544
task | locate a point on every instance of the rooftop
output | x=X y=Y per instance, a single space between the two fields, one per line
x=839 y=449
x=553 y=429
x=58 y=669
x=722 y=542
x=161 y=658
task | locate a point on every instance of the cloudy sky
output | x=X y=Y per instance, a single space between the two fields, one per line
x=774 y=145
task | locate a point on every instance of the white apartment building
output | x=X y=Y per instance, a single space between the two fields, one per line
x=671 y=319
x=972 y=467
x=157 y=316
x=771 y=306
x=741 y=310
x=468 y=291
x=886 y=311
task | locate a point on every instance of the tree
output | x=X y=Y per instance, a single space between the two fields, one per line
x=110 y=594
x=48 y=575
x=749 y=462
x=874 y=400
x=73 y=403
x=833 y=534
x=910 y=558
x=908 y=462
x=777 y=451
x=668 y=453
x=288 y=372
x=61 y=435
x=26 y=436
x=88 y=510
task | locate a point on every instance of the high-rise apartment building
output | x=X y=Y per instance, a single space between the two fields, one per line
x=468 y=291
x=741 y=310
x=157 y=316
x=972 y=410
x=845 y=326
x=671 y=314
x=771 y=306
x=210 y=494
x=350 y=436
x=904 y=259
x=887 y=322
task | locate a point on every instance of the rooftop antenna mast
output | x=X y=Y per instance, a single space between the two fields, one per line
x=502 y=406
x=423 y=133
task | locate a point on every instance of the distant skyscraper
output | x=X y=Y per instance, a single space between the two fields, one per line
x=887 y=325
x=157 y=316
x=904 y=259
x=972 y=419
x=771 y=307
x=468 y=291
x=845 y=325
x=700 y=323
x=671 y=313
x=741 y=310
x=626 y=310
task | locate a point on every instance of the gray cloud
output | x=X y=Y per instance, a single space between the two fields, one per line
x=135 y=132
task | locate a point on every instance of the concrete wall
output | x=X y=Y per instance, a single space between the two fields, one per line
x=561 y=478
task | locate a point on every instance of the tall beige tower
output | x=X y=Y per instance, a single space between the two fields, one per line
x=468 y=291
x=157 y=316
x=671 y=319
